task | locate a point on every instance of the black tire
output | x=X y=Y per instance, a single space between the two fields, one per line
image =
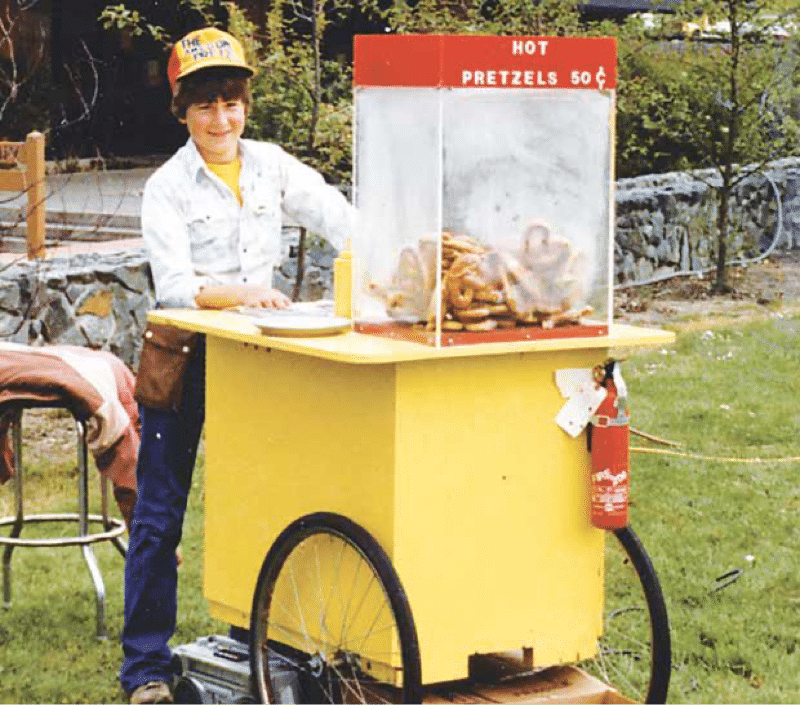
x=635 y=652
x=309 y=668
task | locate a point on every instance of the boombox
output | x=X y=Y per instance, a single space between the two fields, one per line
x=216 y=669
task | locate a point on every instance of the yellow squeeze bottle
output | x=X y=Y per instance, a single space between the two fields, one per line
x=342 y=305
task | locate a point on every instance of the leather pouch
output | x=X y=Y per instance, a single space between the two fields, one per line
x=165 y=355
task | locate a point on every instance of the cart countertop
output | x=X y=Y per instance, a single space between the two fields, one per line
x=358 y=348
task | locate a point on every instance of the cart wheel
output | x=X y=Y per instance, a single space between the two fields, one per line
x=330 y=621
x=634 y=652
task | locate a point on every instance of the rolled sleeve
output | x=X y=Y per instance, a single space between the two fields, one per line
x=314 y=204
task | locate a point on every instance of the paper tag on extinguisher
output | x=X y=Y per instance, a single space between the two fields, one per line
x=583 y=396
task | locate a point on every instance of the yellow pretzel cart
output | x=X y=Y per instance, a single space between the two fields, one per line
x=393 y=512
x=449 y=458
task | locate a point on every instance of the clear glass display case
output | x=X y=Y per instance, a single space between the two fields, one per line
x=483 y=183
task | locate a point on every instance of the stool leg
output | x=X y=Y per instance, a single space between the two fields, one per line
x=16 y=529
x=83 y=528
x=119 y=543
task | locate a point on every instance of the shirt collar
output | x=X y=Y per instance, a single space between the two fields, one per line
x=195 y=163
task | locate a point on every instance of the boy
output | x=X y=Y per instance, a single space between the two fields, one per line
x=211 y=220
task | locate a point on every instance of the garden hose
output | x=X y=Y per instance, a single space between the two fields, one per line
x=715 y=458
x=742 y=262
x=697 y=456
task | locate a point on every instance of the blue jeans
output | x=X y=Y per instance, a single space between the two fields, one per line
x=164 y=476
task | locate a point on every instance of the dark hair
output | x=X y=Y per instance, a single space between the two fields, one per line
x=206 y=85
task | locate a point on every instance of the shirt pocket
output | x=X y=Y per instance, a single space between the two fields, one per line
x=209 y=236
x=266 y=209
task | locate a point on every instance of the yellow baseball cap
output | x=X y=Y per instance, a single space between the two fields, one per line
x=203 y=49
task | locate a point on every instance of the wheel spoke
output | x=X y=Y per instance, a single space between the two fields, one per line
x=324 y=570
x=358 y=641
x=337 y=571
x=323 y=613
x=304 y=633
x=284 y=659
x=301 y=631
x=363 y=599
x=347 y=683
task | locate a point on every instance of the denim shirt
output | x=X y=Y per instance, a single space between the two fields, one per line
x=197 y=234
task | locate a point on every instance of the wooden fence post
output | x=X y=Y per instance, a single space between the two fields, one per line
x=37 y=210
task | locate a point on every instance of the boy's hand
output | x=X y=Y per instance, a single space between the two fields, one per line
x=265 y=298
x=228 y=296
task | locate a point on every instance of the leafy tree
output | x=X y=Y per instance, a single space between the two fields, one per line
x=723 y=104
x=301 y=99
x=680 y=105
x=28 y=100
x=506 y=17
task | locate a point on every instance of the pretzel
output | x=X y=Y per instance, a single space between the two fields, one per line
x=480 y=289
x=572 y=317
x=462 y=279
x=530 y=318
x=460 y=243
x=556 y=266
x=472 y=315
x=459 y=294
x=489 y=295
x=500 y=310
x=521 y=289
x=482 y=326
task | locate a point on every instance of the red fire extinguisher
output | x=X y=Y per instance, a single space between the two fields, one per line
x=609 y=443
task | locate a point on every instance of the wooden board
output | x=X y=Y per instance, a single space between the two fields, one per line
x=559 y=684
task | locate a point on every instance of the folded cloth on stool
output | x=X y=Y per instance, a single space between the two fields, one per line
x=97 y=387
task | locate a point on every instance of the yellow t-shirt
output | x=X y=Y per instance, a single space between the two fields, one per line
x=229 y=173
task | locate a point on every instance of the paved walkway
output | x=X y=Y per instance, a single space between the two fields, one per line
x=105 y=204
x=76 y=248
x=107 y=192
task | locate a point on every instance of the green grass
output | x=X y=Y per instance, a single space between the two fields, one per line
x=48 y=649
x=727 y=392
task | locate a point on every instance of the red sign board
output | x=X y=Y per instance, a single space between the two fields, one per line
x=476 y=61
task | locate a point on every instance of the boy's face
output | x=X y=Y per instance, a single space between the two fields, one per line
x=216 y=128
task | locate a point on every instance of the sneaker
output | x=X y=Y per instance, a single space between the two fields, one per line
x=152 y=692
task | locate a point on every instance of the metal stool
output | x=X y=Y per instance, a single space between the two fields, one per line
x=113 y=528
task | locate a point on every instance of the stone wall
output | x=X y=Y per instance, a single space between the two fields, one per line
x=88 y=300
x=101 y=301
x=664 y=224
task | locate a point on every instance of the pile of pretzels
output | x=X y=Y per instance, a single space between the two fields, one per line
x=483 y=289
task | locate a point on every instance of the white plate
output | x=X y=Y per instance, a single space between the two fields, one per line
x=299 y=325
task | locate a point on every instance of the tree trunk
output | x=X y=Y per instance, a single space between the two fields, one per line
x=729 y=154
x=301 y=265
x=720 y=282
x=316 y=97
